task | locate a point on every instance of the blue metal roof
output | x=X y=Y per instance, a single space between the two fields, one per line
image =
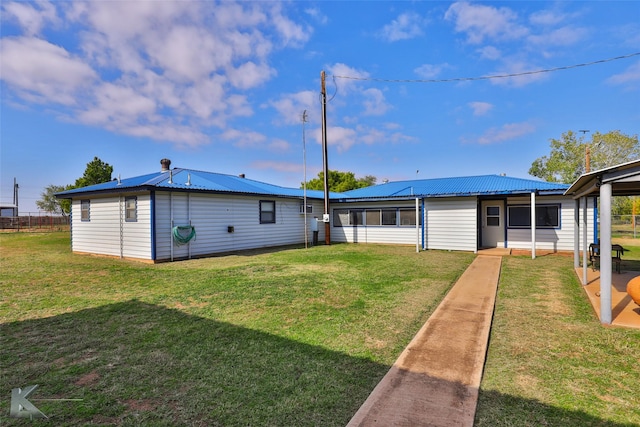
x=193 y=180
x=460 y=186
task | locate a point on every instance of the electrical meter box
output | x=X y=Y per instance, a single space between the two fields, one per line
x=325 y=217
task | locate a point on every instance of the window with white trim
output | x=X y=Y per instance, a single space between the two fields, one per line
x=267 y=212
x=85 y=210
x=131 y=209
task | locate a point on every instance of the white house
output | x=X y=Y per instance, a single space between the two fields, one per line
x=462 y=213
x=180 y=213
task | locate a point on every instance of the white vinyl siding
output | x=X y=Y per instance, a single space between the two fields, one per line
x=212 y=215
x=108 y=233
x=391 y=234
x=451 y=223
x=556 y=239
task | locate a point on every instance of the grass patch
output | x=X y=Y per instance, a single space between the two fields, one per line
x=550 y=362
x=292 y=337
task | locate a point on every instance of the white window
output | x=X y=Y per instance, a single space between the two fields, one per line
x=85 y=208
x=267 y=212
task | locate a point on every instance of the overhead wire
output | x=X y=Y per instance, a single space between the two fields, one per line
x=496 y=76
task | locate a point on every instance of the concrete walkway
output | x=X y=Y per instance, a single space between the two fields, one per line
x=435 y=380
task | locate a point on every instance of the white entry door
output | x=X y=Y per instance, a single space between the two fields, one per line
x=492 y=223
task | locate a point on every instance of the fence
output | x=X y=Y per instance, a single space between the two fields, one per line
x=34 y=222
x=625 y=226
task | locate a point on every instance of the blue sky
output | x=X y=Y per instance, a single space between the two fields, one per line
x=221 y=86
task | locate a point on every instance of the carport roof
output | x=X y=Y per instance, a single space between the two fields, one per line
x=483 y=185
x=625 y=180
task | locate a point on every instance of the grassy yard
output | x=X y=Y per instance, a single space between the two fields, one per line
x=291 y=338
x=550 y=363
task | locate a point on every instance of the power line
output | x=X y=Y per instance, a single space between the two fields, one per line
x=498 y=76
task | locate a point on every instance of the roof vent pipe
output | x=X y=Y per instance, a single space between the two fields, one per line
x=166 y=164
x=188 y=179
x=241 y=175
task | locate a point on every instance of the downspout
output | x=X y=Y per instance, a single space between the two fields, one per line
x=152 y=215
x=189 y=218
x=120 y=210
x=171 y=225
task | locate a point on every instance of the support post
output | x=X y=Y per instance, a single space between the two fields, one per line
x=585 y=242
x=417 y=225
x=605 y=254
x=576 y=233
x=533 y=225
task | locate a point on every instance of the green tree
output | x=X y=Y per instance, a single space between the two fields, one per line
x=567 y=160
x=48 y=201
x=96 y=172
x=340 y=181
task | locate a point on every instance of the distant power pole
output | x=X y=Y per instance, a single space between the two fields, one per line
x=15 y=197
x=325 y=163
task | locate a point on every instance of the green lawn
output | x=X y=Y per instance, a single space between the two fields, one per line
x=292 y=337
x=550 y=363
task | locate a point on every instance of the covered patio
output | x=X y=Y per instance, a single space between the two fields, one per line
x=620 y=180
x=624 y=311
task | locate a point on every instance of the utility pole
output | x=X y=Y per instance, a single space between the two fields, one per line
x=325 y=163
x=587 y=153
x=304 y=182
x=16 y=211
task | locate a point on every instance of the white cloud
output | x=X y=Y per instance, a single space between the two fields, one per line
x=630 y=75
x=565 y=36
x=429 y=71
x=143 y=68
x=290 y=107
x=277 y=166
x=481 y=22
x=546 y=17
x=406 y=26
x=317 y=15
x=374 y=102
x=514 y=67
x=244 y=138
x=480 y=108
x=506 y=132
x=31 y=16
x=43 y=71
x=490 y=52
